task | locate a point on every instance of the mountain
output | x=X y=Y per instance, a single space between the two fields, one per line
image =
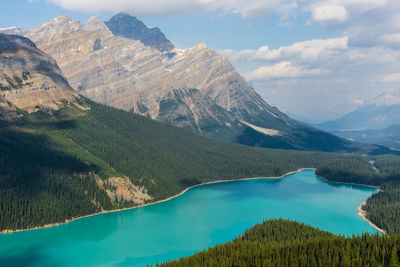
x=130 y=27
x=375 y=122
x=389 y=136
x=195 y=89
x=63 y=156
x=30 y=80
x=377 y=113
x=13 y=30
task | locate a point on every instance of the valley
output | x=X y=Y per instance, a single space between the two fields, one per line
x=375 y=122
x=119 y=149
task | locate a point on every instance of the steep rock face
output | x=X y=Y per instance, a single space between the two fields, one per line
x=130 y=27
x=196 y=88
x=29 y=79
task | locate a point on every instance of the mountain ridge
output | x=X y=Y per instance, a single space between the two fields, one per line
x=196 y=89
x=375 y=113
x=30 y=80
x=375 y=122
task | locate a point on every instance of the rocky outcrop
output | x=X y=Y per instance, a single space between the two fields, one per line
x=130 y=27
x=120 y=189
x=29 y=79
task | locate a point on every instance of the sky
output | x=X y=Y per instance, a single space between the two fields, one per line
x=313 y=59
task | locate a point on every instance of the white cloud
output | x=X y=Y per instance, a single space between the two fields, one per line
x=318 y=74
x=366 y=22
x=391 y=77
x=329 y=13
x=143 y=8
x=393 y=38
x=136 y=7
x=284 y=69
x=252 y=8
x=307 y=50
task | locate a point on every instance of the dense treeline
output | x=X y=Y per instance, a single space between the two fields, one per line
x=388 y=164
x=285 y=243
x=360 y=170
x=158 y=155
x=384 y=208
x=355 y=170
x=39 y=185
x=48 y=162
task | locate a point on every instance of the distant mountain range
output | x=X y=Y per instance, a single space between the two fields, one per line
x=376 y=121
x=125 y=64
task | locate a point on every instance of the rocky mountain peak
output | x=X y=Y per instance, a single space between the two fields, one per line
x=62 y=19
x=94 y=23
x=201 y=46
x=60 y=25
x=196 y=88
x=57 y=22
x=130 y=27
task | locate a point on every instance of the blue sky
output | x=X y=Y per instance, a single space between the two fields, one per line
x=314 y=58
x=218 y=30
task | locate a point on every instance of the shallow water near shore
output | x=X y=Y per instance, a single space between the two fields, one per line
x=204 y=216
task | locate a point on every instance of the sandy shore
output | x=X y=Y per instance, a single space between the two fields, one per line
x=360 y=213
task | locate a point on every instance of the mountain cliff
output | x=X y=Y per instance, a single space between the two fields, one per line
x=30 y=80
x=130 y=27
x=196 y=88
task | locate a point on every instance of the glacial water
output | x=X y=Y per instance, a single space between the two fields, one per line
x=202 y=217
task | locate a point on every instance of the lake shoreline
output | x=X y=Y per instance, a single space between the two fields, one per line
x=363 y=214
x=187 y=189
x=152 y=203
x=344 y=183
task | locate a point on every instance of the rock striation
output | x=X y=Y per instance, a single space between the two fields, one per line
x=196 y=88
x=130 y=27
x=30 y=80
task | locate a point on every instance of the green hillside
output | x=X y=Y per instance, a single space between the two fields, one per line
x=63 y=156
x=52 y=163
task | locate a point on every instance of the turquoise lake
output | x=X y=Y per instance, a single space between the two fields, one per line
x=202 y=217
